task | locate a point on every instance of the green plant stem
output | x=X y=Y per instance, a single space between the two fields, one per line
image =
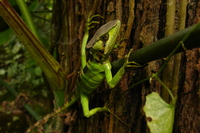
x=15 y=93
x=177 y=57
x=28 y=18
x=170 y=17
x=27 y=107
x=181 y=43
x=183 y=14
x=163 y=84
x=139 y=82
x=188 y=38
x=119 y=118
x=52 y=69
x=30 y=23
x=167 y=72
x=11 y=90
x=162 y=48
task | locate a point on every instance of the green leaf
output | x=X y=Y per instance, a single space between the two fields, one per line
x=16 y=48
x=38 y=71
x=12 y=2
x=33 y=6
x=54 y=72
x=159 y=114
x=5 y=36
x=2 y=71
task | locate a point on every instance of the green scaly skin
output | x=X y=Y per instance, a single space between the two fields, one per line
x=95 y=71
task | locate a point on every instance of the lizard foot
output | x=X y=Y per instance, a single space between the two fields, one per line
x=128 y=63
x=89 y=21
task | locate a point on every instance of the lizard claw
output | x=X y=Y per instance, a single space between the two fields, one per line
x=89 y=21
x=131 y=63
x=108 y=105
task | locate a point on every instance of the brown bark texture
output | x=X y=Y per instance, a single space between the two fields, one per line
x=143 y=22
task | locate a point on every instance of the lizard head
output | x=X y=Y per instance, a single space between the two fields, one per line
x=103 y=41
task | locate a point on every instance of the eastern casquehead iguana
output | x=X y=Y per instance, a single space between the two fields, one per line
x=95 y=70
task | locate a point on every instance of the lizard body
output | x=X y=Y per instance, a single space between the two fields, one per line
x=94 y=71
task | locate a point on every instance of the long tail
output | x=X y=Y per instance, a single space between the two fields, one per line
x=72 y=99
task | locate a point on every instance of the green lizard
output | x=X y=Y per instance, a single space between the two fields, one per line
x=95 y=70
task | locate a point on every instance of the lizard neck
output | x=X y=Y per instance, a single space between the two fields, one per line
x=98 y=56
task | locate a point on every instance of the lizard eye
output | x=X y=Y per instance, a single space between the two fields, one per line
x=104 y=38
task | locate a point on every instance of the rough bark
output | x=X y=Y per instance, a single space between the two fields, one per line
x=143 y=22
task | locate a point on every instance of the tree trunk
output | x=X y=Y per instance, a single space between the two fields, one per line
x=143 y=22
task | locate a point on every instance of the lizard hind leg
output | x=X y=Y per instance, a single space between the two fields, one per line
x=85 y=105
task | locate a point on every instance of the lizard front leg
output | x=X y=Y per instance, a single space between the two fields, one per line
x=113 y=81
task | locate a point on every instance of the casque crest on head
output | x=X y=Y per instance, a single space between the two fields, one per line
x=104 y=39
